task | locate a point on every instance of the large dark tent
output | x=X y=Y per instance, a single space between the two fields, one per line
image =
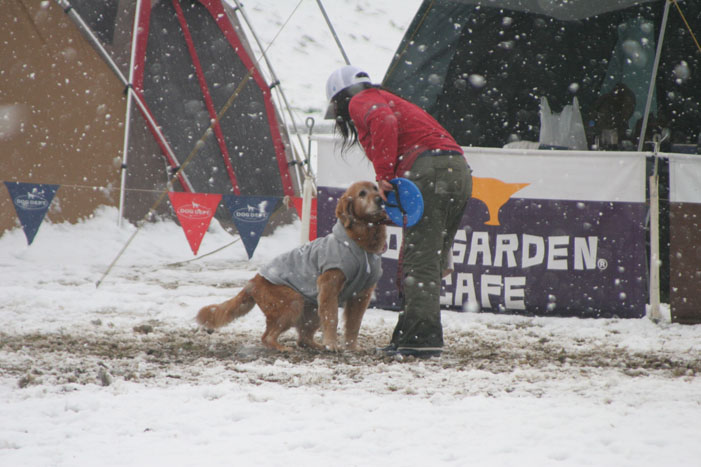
x=481 y=68
x=122 y=93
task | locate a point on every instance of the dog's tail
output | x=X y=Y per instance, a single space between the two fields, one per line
x=216 y=316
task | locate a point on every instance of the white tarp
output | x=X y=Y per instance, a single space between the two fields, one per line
x=684 y=178
x=338 y=169
x=565 y=175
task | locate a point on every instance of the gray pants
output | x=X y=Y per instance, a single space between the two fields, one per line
x=445 y=182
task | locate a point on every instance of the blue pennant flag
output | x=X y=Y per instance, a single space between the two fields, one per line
x=31 y=201
x=251 y=215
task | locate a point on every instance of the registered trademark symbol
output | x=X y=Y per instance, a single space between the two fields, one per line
x=602 y=264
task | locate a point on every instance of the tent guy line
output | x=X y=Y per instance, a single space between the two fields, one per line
x=217 y=250
x=686 y=23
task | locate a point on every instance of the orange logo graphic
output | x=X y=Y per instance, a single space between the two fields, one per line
x=494 y=193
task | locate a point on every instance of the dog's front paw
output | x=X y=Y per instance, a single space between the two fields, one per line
x=310 y=344
x=352 y=346
x=330 y=346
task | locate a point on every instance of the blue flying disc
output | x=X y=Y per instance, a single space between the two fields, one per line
x=410 y=202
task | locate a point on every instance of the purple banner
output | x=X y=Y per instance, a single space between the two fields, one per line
x=546 y=257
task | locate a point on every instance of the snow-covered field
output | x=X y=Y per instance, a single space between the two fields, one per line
x=121 y=375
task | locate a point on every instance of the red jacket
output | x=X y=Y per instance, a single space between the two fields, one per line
x=394 y=131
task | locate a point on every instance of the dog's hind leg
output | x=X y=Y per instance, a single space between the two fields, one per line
x=307 y=326
x=216 y=316
x=279 y=320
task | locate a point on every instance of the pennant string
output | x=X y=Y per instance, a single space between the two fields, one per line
x=96 y=187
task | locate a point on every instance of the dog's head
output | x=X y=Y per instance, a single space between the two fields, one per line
x=361 y=212
x=360 y=202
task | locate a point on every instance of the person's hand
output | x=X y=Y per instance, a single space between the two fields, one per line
x=384 y=186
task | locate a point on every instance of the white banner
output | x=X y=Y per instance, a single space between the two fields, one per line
x=564 y=175
x=341 y=169
x=534 y=174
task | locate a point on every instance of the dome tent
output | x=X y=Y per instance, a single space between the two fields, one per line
x=65 y=91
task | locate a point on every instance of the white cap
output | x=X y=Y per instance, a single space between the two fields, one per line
x=344 y=78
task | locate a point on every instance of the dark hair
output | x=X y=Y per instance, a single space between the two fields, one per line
x=344 y=124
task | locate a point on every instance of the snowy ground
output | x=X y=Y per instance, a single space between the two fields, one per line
x=121 y=375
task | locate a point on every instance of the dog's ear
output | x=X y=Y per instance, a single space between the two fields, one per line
x=344 y=210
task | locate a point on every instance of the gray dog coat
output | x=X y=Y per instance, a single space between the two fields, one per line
x=300 y=268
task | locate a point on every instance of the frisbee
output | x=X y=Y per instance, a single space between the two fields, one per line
x=409 y=203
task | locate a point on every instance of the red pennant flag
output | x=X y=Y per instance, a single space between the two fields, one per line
x=297 y=201
x=195 y=212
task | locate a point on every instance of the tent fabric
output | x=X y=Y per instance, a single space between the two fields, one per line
x=191 y=58
x=188 y=77
x=65 y=110
x=481 y=68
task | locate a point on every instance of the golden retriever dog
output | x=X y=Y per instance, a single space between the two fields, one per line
x=304 y=287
